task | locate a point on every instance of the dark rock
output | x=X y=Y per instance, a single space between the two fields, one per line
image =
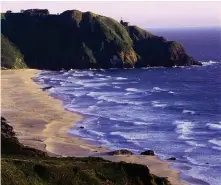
x=172 y=158
x=6 y=129
x=81 y=127
x=147 y=152
x=120 y=152
x=46 y=88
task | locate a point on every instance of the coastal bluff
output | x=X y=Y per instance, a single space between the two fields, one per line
x=82 y=40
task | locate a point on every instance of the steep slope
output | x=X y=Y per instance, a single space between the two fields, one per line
x=10 y=56
x=75 y=39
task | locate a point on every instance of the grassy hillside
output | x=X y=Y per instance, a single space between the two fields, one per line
x=11 y=57
x=63 y=171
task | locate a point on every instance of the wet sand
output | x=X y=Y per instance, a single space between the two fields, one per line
x=40 y=121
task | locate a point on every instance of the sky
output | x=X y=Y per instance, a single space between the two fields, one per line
x=153 y=14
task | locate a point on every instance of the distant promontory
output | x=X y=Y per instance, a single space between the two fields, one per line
x=82 y=40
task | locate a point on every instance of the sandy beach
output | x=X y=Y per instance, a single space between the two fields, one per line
x=40 y=121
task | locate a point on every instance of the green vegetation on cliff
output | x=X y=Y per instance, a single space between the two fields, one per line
x=10 y=56
x=2 y=16
x=22 y=165
x=76 y=171
x=84 y=40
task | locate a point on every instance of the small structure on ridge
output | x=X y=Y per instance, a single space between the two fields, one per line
x=125 y=24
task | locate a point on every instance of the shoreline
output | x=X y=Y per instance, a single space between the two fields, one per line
x=42 y=122
x=49 y=123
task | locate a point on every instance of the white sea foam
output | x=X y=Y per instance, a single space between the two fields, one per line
x=66 y=84
x=158 y=89
x=99 y=102
x=76 y=93
x=184 y=128
x=100 y=75
x=77 y=74
x=185 y=137
x=112 y=97
x=101 y=79
x=141 y=123
x=215 y=141
x=131 y=135
x=92 y=107
x=158 y=104
x=171 y=92
x=214 y=126
x=118 y=100
x=117 y=87
x=90 y=84
x=65 y=73
x=189 y=150
x=55 y=79
x=121 y=78
x=116 y=125
x=195 y=144
x=132 y=90
x=117 y=83
x=192 y=160
x=209 y=63
x=96 y=133
x=96 y=94
x=41 y=80
x=129 y=93
x=188 y=112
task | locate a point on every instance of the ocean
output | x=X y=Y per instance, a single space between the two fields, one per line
x=174 y=111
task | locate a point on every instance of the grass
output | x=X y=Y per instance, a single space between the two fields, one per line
x=65 y=171
x=11 y=57
x=89 y=53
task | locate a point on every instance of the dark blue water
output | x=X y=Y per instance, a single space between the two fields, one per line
x=174 y=111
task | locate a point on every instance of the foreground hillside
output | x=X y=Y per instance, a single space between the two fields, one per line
x=21 y=165
x=11 y=57
x=75 y=39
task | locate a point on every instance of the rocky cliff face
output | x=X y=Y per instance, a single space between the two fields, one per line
x=157 y=51
x=75 y=39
